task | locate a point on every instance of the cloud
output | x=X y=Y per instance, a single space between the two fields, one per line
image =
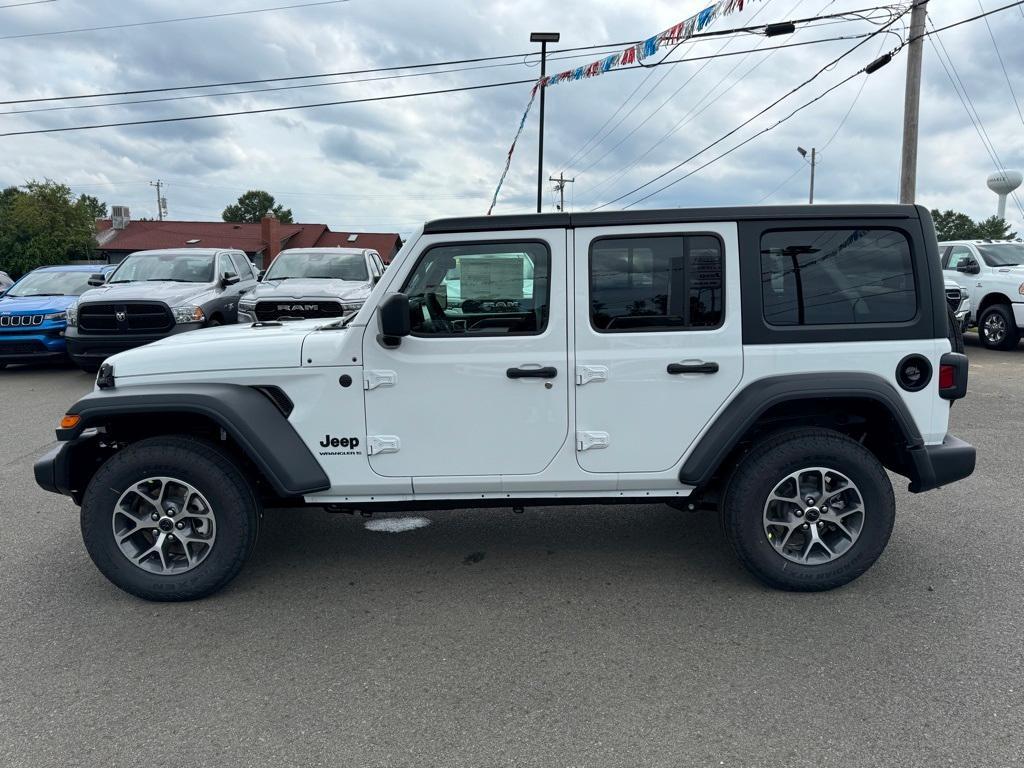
x=388 y=165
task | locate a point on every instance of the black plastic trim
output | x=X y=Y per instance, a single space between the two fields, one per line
x=754 y=400
x=249 y=416
x=937 y=465
x=666 y=216
x=926 y=368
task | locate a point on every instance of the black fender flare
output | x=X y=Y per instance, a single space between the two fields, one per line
x=245 y=413
x=759 y=396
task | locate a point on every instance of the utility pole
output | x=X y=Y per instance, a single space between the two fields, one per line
x=543 y=38
x=912 y=103
x=560 y=183
x=161 y=201
x=814 y=160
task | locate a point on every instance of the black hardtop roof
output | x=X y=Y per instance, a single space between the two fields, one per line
x=671 y=216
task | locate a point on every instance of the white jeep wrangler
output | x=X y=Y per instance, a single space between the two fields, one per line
x=769 y=363
x=991 y=274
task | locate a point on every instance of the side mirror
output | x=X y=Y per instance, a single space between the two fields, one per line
x=261 y=275
x=97 y=279
x=393 y=316
x=968 y=267
x=230 y=278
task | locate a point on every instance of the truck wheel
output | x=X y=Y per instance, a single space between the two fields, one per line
x=808 y=510
x=997 y=329
x=169 y=518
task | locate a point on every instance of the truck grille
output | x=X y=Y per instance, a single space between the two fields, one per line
x=20 y=320
x=274 y=310
x=124 y=318
x=21 y=347
x=953 y=298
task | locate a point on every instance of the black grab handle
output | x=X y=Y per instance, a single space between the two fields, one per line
x=532 y=373
x=675 y=368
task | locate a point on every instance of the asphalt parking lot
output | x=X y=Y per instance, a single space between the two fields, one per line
x=610 y=636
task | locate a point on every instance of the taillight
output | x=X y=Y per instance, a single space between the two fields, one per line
x=947 y=376
x=952 y=376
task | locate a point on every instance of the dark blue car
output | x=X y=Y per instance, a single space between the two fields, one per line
x=33 y=312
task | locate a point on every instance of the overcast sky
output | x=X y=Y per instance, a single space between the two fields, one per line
x=387 y=166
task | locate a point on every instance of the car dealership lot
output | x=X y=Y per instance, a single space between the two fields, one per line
x=562 y=636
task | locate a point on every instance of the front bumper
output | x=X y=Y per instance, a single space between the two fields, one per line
x=39 y=346
x=938 y=465
x=94 y=348
x=66 y=467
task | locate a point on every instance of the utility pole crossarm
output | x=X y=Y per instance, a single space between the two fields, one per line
x=560 y=183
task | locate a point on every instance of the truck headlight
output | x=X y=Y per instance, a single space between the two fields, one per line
x=56 y=316
x=247 y=306
x=71 y=313
x=351 y=306
x=188 y=313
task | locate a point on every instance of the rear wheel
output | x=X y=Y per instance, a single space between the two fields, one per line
x=169 y=518
x=997 y=328
x=808 y=510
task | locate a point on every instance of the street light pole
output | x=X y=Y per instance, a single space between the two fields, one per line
x=543 y=38
x=814 y=157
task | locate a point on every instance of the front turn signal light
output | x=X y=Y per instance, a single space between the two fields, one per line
x=70 y=421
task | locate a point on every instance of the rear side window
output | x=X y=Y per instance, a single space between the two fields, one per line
x=656 y=283
x=242 y=268
x=837 y=276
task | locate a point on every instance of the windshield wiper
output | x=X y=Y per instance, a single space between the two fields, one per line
x=33 y=295
x=166 y=280
x=341 y=322
x=112 y=282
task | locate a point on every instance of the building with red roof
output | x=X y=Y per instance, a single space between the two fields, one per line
x=118 y=236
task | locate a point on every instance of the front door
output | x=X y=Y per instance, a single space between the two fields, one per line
x=966 y=281
x=658 y=341
x=481 y=385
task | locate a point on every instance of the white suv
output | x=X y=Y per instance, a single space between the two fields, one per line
x=991 y=273
x=769 y=363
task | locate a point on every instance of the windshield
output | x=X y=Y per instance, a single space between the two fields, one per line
x=51 y=284
x=174 y=267
x=1002 y=254
x=340 y=266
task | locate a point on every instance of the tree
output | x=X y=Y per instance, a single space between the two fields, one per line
x=41 y=224
x=953 y=225
x=96 y=209
x=994 y=228
x=254 y=205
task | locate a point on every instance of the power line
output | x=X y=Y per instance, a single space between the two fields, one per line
x=222 y=15
x=280 y=87
x=749 y=120
x=29 y=2
x=1003 y=65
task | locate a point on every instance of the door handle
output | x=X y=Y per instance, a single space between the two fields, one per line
x=676 y=368
x=547 y=372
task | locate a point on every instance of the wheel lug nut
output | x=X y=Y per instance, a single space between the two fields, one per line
x=179 y=525
x=799 y=513
x=810 y=500
x=170 y=536
x=820 y=525
x=154 y=516
x=824 y=510
x=805 y=526
x=171 y=511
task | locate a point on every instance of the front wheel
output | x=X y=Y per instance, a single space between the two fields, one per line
x=997 y=328
x=169 y=518
x=808 y=510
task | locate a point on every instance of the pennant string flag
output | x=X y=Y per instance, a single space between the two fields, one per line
x=633 y=55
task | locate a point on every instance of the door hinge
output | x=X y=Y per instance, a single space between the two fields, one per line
x=588 y=373
x=374 y=379
x=587 y=440
x=383 y=444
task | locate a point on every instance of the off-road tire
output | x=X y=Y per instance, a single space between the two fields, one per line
x=765 y=466
x=208 y=469
x=1012 y=335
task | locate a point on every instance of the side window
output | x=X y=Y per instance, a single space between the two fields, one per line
x=375 y=268
x=656 y=283
x=224 y=266
x=242 y=268
x=480 y=289
x=957 y=254
x=837 y=276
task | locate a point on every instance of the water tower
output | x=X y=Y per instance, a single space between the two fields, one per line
x=1003 y=183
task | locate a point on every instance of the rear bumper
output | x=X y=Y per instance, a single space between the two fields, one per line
x=938 y=465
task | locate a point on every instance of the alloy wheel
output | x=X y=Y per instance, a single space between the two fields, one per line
x=994 y=328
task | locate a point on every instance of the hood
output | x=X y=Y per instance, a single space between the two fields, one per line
x=172 y=294
x=11 y=305
x=223 y=348
x=301 y=288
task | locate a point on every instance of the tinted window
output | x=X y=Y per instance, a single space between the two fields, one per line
x=474 y=289
x=656 y=283
x=1002 y=254
x=837 y=276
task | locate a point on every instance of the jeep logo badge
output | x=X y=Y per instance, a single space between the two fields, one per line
x=298 y=307
x=121 y=315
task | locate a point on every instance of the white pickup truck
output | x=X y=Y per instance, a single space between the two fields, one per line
x=991 y=273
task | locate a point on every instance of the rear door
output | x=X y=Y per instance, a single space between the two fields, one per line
x=658 y=340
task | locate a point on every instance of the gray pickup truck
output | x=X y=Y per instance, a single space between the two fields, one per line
x=155 y=294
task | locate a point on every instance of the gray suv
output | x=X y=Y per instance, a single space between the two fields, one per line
x=154 y=294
